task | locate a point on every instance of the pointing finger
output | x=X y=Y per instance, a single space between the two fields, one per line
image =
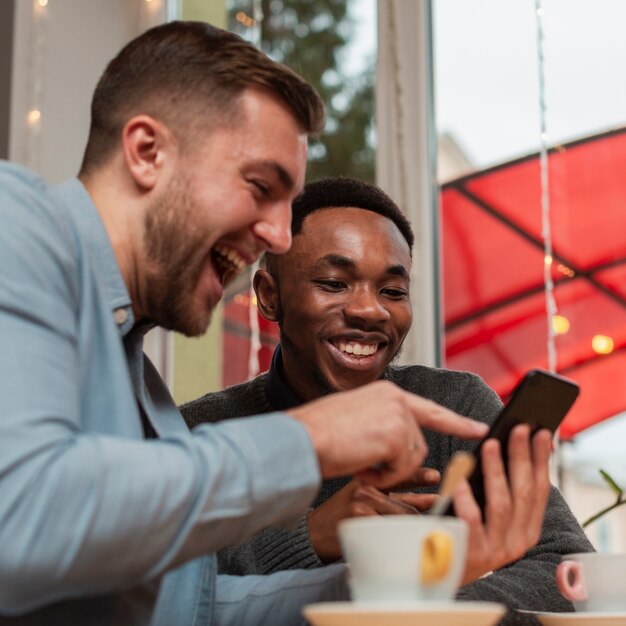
x=436 y=417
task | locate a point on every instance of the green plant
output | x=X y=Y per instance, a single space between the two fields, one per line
x=620 y=499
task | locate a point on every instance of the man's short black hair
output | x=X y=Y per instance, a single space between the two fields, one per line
x=342 y=191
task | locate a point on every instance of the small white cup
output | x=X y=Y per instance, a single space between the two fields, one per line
x=404 y=557
x=594 y=582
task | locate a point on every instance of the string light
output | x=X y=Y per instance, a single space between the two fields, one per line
x=245 y=19
x=254 y=365
x=602 y=344
x=560 y=324
x=33 y=117
x=551 y=309
x=245 y=300
x=546 y=233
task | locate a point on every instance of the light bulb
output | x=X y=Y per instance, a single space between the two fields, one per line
x=560 y=324
x=33 y=117
x=602 y=344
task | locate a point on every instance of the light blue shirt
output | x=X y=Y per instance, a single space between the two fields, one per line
x=92 y=515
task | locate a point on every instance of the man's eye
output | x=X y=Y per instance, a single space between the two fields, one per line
x=331 y=285
x=395 y=293
x=262 y=187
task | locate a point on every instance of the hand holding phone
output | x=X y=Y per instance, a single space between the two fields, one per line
x=541 y=399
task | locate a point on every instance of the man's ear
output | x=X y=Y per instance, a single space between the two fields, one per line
x=145 y=143
x=266 y=290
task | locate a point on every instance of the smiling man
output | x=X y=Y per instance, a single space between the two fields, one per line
x=110 y=509
x=354 y=325
x=341 y=299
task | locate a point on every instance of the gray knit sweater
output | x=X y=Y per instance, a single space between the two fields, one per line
x=526 y=584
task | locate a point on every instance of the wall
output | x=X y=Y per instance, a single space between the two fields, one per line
x=59 y=53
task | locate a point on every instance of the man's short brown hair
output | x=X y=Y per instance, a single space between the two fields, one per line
x=189 y=75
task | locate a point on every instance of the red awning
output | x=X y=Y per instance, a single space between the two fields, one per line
x=493 y=264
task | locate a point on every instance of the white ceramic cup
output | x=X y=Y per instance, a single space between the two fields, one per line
x=594 y=582
x=395 y=558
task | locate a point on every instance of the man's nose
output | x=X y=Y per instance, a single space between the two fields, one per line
x=274 y=229
x=365 y=304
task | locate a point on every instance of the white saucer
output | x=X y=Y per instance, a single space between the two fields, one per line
x=566 y=619
x=403 y=613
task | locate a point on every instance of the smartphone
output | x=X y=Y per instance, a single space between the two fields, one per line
x=542 y=400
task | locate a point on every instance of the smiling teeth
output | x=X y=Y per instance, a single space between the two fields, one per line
x=228 y=263
x=358 y=349
x=231 y=255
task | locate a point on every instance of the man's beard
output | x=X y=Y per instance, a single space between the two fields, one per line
x=174 y=260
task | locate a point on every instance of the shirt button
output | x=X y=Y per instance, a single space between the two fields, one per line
x=120 y=316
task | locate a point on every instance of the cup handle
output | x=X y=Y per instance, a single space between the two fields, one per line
x=571 y=581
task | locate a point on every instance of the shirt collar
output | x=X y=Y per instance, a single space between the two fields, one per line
x=92 y=232
x=279 y=393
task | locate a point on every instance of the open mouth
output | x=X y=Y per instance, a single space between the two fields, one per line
x=227 y=262
x=357 y=348
x=365 y=356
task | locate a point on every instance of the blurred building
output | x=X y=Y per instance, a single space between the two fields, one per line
x=452 y=160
